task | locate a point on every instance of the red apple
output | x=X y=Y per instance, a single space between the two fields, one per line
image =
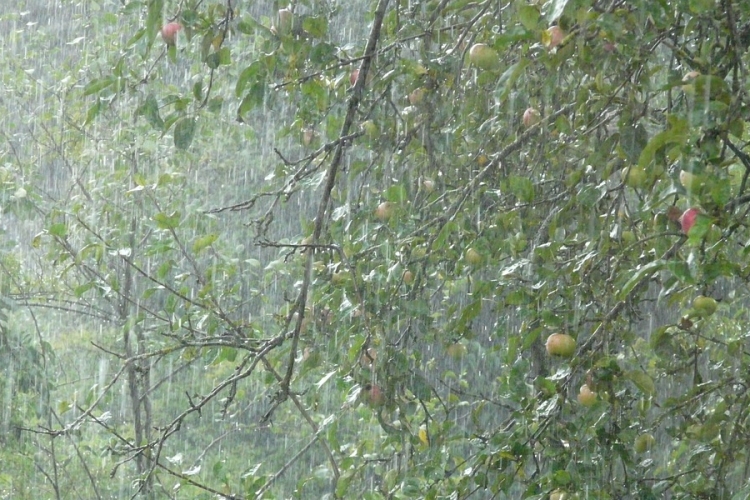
x=553 y=37
x=483 y=56
x=385 y=210
x=561 y=344
x=353 y=77
x=408 y=277
x=374 y=395
x=644 y=442
x=531 y=117
x=169 y=33
x=687 y=219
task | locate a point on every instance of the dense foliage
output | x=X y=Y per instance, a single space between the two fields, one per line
x=325 y=250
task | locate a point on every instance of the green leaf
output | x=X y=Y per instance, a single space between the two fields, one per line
x=508 y=79
x=315 y=26
x=528 y=16
x=204 y=242
x=640 y=274
x=150 y=109
x=253 y=99
x=184 y=131
x=60 y=230
x=677 y=133
x=633 y=138
x=164 y=221
x=522 y=188
x=253 y=73
x=98 y=85
x=642 y=381
x=396 y=194
x=154 y=18
x=93 y=112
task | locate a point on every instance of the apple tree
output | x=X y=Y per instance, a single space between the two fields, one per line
x=368 y=227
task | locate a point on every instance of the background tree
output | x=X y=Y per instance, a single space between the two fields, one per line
x=389 y=250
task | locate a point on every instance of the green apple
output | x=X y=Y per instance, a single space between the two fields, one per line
x=561 y=344
x=586 y=396
x=456 y=350
x=635 y=177
x=473 y=257
x=339 y=278
x=690 y=181
x=370 y=129
x=644 y=442
x=483 y=56
x=559 y=495
x=704 y=306
x=628 y=237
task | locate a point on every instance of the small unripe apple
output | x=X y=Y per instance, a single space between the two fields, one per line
x=559 y=495
x=553 y=37
x=307 y=136
x=428 y=185
x=628 y=237
x=456 y=350
x=338 y=278
x=634 y=176
x=704 y=306
x=531 y=117
x=644 y=442
x=483 y=56
x=473 y=257
x=408 y=277
x=561 y=344
x=169 y=33
x=417 y=96
x=687 y=219
x=586 y=396
x=690 y=75
x=370 y=129
x=384 y=211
